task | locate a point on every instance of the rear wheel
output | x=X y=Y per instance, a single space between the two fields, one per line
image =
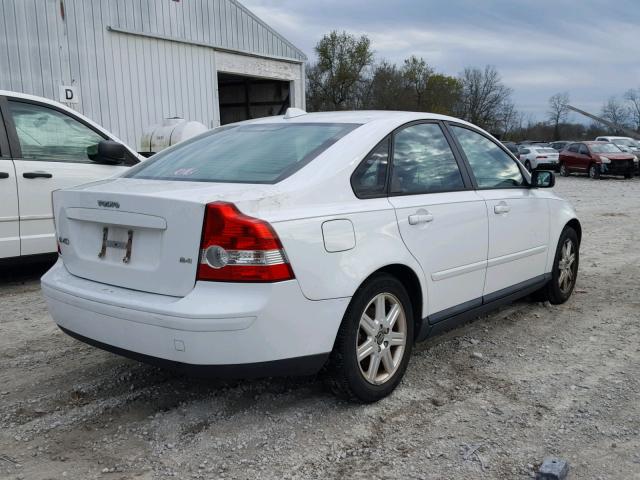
x=374 y=343
x=565 y=269
x=628 y=175
x=527 y=165
x=564 y=171
x=594 y=171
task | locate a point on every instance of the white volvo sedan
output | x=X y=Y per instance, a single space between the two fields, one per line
x=311 y=242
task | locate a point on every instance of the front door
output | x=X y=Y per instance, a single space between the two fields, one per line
x=518 y=215
x=441 y=221
x=52 y=155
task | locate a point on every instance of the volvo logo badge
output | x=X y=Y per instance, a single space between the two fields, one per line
x=108 y=204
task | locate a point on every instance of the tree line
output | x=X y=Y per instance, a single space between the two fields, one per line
x=346 y=76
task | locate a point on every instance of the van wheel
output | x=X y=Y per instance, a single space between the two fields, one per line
x=565 y=269
x=374 y=342
x=564 y=171
x=594 y=171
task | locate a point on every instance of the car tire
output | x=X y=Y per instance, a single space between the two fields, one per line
x=564 y=171
x=353 y=374
x=594 y=171
x=560 y=287
x=527 y=165
x=628 y=176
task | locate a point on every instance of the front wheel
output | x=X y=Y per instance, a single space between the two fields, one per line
x=594 y=171
x=565 y=268
x=374 y=342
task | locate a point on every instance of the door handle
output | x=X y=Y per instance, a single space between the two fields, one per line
x=4 y=175
x=422 y=217
x=500 y=208
x=37 y=175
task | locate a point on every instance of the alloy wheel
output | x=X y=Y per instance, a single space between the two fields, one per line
x=566 y=267
x=381 y=339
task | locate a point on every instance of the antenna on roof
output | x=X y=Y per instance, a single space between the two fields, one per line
x=293 y=113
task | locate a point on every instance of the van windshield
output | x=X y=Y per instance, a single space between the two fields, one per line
x=244 y=153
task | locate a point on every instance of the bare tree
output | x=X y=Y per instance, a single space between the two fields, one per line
x=558 y=111
x=614 y=111
x=632 y=96
x=335 y=80
x=483 y=95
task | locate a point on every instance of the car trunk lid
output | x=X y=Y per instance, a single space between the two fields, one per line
x=139 y=234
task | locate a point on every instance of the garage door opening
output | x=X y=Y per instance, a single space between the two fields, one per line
x=244 y=98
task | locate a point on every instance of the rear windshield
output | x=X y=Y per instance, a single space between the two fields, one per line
x=253 y=153
x=604 y=148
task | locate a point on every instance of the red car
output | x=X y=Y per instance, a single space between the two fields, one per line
x=595 y=159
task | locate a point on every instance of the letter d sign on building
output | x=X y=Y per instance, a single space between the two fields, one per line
x=69 y=94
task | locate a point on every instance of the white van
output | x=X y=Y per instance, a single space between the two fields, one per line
x=45 y=146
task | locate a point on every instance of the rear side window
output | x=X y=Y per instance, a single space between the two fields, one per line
x=423 y=161
x=583 y=149
x=573 y=148
x=370 y=178
x=254 y=153
x=491 y=166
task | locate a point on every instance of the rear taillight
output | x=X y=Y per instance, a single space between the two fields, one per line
x=540 y=157
x=239 y=248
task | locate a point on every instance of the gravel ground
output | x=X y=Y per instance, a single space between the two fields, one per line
x=488 y=400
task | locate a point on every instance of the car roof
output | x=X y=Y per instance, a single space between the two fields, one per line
x=358 y=116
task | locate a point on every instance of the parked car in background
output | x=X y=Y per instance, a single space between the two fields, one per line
x=532 y=142
x=626 y=144
x=513 y=148
x=535 y=157
x=560 y=145
x=287 y=244
x=45 y=146
x=596 y=159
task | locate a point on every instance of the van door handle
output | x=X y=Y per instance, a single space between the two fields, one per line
x=422 y=217
x=500 y=208
x=37 y=175
x=4 y=175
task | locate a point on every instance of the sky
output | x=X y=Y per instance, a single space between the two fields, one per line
x=589 y=48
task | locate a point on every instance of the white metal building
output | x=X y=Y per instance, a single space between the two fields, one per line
x=128 y=64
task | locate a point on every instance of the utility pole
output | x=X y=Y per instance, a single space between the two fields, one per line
x=627 y=131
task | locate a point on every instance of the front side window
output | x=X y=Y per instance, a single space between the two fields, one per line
x=491 y=165
x=370 y=178
x=423 y=161
x=48 y=134
x=249 y=153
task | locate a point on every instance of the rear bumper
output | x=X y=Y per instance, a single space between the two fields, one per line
x=218 y=329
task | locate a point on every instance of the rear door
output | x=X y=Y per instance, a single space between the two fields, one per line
x=9 y=224
x=50 y=153
x=442 y=221
x=518 y=215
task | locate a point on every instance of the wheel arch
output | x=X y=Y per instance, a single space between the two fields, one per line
x=411 y=282
x=575 y=224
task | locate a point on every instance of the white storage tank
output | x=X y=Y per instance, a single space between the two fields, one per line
x=171 y=131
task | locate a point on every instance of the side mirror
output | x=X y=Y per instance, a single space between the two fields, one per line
x=542 y=179
x=108 y=152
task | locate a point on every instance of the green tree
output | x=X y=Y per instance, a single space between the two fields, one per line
x=336 y=81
